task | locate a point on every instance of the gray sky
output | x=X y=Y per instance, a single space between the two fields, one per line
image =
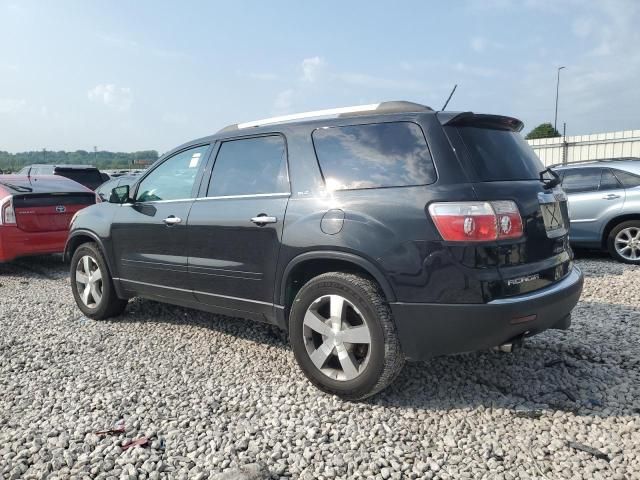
x=150 y=75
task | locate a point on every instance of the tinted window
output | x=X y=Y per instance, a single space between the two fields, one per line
x=581 y=180
x=375 y=155
x=628 y=180
x=608 y=180
x=249 y=167
x=104 y=190
x=496 y=154
x=173 y=179
x=88 y=178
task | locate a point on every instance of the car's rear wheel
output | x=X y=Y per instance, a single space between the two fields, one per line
x=92 y=285
x=624 y=242
x=343 y=336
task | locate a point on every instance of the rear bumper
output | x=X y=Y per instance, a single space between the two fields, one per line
x=430 y=329
x=16 y=243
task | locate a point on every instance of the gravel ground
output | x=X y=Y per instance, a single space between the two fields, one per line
x=213 y=393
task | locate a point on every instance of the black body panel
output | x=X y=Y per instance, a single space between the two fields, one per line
x=217 y=259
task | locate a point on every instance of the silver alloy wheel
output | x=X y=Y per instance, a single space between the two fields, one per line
x=627 y=243
x=89 y=281
x=337 y=337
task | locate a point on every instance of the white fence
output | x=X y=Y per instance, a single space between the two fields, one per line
x=578 y=148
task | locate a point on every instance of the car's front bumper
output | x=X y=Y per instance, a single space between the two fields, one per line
x=430 y=329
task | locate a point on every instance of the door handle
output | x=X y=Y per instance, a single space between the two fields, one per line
x=171 y=220
x=611 y=196
x=263 y=219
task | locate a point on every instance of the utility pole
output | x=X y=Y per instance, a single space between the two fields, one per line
x=95 y=156
x=44 y=155
x=555 y=122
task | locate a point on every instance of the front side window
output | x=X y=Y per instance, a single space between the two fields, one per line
x=581 y=180
x=174 y=178
x=393 y=154
x=250 y=166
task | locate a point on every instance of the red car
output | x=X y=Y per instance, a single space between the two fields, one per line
x=35 y=213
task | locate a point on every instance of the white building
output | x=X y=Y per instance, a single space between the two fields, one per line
x=578 y=148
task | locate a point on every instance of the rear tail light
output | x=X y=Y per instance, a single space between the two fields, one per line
x=7 y=213
x=477 y=221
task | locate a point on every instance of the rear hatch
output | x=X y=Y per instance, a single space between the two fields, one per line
x=502 y=166
x=49 y=212
x=89 y=177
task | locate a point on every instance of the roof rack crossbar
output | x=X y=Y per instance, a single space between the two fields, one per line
x=383 y=107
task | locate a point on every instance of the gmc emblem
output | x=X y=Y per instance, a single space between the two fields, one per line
x=61 y=209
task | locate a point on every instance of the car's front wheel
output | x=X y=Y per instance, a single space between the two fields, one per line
x=92 y=285
x=624 y=242
x=343 y=336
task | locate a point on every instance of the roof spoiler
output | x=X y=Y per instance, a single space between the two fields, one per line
x=481 y=120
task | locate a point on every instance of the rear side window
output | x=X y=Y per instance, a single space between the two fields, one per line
x=581 y=180
x=250 y=166
x=496 y=155
x=609 y=180
x=628 y=180
x=88 y=178
x=391 y=154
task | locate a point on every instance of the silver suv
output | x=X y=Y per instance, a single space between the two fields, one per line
x=604 y=205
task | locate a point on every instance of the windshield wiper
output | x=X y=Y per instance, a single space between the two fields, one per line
x=18 y=188
x=549 y=183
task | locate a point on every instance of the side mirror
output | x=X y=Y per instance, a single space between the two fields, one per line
x=119 y=194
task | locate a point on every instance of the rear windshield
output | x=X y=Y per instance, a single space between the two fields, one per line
x=389 y=154
x=496 y=155
x=88 y=178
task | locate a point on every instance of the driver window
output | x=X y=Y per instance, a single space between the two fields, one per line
x=174 y=179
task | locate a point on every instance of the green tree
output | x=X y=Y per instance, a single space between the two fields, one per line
x=544 y=130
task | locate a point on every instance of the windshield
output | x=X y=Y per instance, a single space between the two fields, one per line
x=496 y=155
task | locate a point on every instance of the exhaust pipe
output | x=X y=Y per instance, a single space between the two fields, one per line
x=509 y=347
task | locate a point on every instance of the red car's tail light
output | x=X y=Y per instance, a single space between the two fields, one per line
x=476 y=221
x=7 y=213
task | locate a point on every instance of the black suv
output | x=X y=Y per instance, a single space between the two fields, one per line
x=85 y=175
x=371 y=234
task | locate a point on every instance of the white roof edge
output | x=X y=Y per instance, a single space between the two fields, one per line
x=316 y=113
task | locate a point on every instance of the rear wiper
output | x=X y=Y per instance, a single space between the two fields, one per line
x=18 y=188
x=549 y=183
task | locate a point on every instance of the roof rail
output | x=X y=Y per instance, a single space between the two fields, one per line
x=597 y=160
x=373 y=108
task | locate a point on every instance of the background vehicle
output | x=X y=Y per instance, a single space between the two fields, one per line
x=86 y=175
x=362 y=232
x=604 y=205
x=104 y=190
x=35 y=213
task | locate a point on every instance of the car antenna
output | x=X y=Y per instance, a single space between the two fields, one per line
x=450 y=95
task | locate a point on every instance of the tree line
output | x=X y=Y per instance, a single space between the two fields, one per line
x=11 y=162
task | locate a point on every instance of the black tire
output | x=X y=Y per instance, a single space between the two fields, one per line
x=386 y=359
x=611 y=241
x=109 y=305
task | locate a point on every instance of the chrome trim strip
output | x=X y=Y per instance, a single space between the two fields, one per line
x=198 y=292
x=255 y=195
x=233 y=298
x=571 y=279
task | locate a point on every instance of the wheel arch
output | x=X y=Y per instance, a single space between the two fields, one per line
x=311 y=264
x=611 y=224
